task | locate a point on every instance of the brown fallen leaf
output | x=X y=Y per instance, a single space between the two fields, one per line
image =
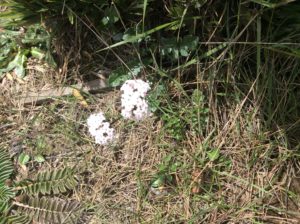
x=196 y=180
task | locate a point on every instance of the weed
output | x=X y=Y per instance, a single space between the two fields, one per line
x=20 y=44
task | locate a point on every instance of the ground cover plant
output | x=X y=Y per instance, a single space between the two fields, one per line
x=220 y=142
x=20 y=203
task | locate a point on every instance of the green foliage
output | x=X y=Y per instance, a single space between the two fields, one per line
x=6 y=167
x=131 y=71
x=23 y=158
x=21 y=12
x=15 y=219
x=39 y=158
x=50 y=210
x=55 y=181
x=110 y=17
x=168 y=167
x=18 y=46
x=6 y=194
x=174 y=125
x=120 y=75
x=39 y=209
x=286 y=24
x=173 y=48
x=191 y=115
x=213 y=154
x=270 y=3
x=197 y=115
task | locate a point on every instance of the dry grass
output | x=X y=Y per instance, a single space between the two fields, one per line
x=252 y=126
x=253 y=180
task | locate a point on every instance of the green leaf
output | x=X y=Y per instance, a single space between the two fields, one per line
x=51 y=210
x=50 y=60
x=154 y=97
x=6 y=166
x=184 y=52
x=183 y=47
x=15 y=219
x=197 y=97
x=16 y=46
x=39 y=158
x=214 y=50
x=18 y=64
x=130 y=35
x=190 y=42
x=141 y=35
x=135 y=70
x=144 y=12
x=117 y=78
x=110 y=16
x=213 y=154
x=37 y=53
x=70 y=16
x=55 y=181
x=160 y=181
x=5 y=193
x=23 y=158
x=271 y=5
x=3 y=207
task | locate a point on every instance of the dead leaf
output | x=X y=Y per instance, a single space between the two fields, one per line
x=76 y=93
x=9 y=77
x=196 y=180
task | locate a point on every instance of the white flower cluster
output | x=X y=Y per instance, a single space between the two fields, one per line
x=134 y=106
x=133 y=102
x=99 y=129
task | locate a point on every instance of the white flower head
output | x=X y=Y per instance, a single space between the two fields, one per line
x=95 y=120
x=100 y=129
x=133 y=102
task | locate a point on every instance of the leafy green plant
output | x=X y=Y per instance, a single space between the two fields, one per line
x=19 y=45
x=24 y=158
x=165 y=172
x=21 y=201
x=120 y=75
x=131 y=71
x=183 y=47
x=197 y=114
x=20 y=12
x=174 y=125
x=192 y=115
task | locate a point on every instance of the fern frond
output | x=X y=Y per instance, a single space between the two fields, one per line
x=6 y=166
x=15 y=219
x=49 y=210
x=6 y=194
x=56 y=181
x=3 y=207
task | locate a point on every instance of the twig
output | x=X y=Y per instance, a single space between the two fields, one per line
x=37 y=98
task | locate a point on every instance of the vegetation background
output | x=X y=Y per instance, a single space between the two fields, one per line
x=222 y=145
